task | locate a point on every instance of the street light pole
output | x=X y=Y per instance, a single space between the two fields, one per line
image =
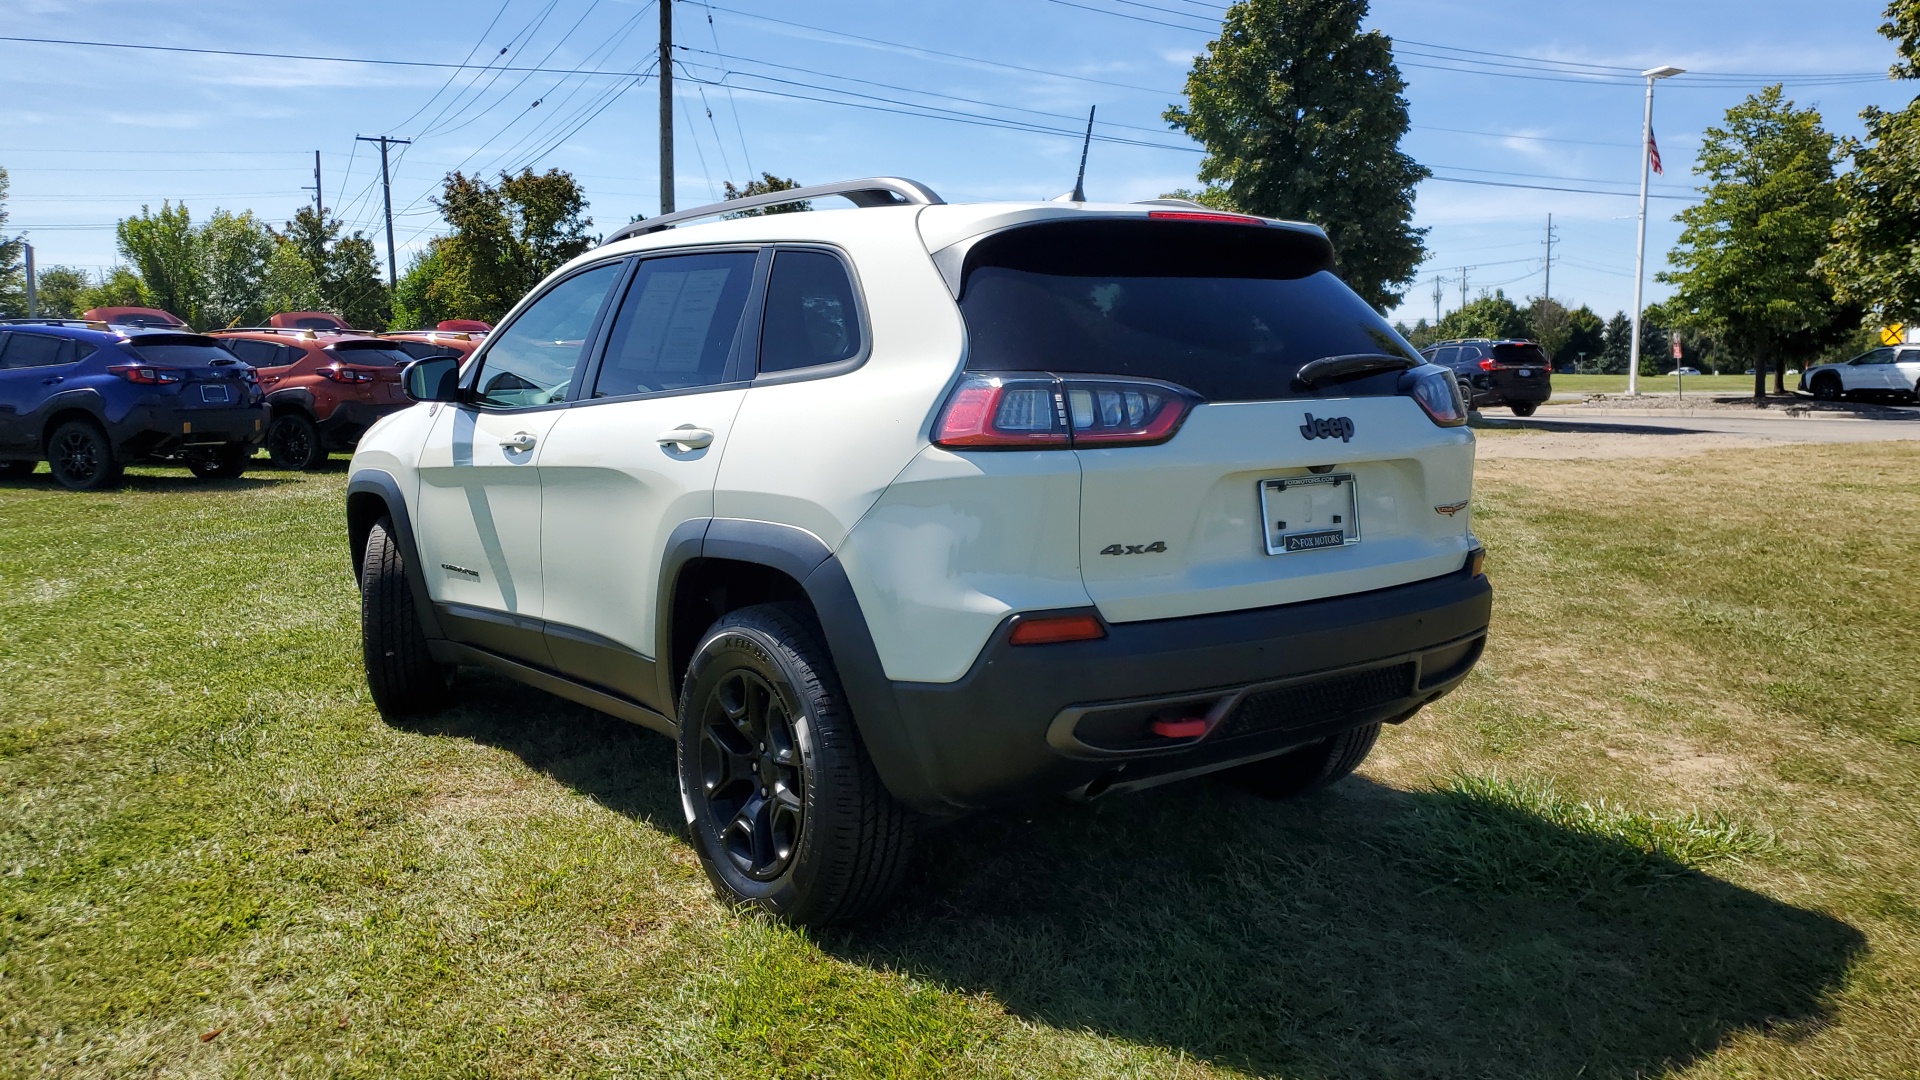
x=1652 y=75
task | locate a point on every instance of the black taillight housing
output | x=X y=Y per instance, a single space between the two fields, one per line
x=1437 y=391
x=1040 y=411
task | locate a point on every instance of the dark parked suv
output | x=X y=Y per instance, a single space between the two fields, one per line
x=1507 y=372
x=91 y=398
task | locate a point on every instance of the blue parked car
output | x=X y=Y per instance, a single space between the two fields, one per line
x=91 y=398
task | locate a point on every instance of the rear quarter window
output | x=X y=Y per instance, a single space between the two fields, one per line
x=1230 y=311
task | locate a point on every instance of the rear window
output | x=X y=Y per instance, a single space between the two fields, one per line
x=1231 y=312
x=179 y=349
x=1520 y=355
x=420 y=350
x=373 y=353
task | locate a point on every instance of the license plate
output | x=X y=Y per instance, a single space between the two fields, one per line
x=1526 y=373
x=213 y=392
x=1307 y=513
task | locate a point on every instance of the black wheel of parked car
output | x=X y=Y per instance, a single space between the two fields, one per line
x=294 y=442
x=17 y=470
x=1309 y=768
x=1827 y=388
x=220 y=463
x=786 y=810
x=401 y=672
x=81 y=458
x=1524 y=408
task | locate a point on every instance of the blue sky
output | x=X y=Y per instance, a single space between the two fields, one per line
x=90 y=134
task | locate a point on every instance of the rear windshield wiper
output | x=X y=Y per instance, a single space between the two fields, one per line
x=1349 y=366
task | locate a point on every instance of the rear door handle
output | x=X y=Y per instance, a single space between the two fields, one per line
x=520 y=443
x=693 y=438
x=54 y=379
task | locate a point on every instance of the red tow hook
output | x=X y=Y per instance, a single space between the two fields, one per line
x=1189 y=728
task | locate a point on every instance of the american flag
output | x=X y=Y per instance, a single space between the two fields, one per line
x=1653 y=151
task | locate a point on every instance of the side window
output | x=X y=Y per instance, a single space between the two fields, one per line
x=811 y=316
x=257 y=353
x=1908 y=356
x=37 y=350
x=1447 y=356
x=1877 y=356
x=533 y=359
x=677 y=324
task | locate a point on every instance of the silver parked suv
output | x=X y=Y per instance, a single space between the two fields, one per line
x=910 y=509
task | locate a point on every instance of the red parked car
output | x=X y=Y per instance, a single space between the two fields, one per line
x=144 y=317
x=324 y=388
x=454 y=337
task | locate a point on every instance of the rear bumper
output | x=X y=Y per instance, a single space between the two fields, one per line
x=161 y=430
x=1536 y=389
x=1035 y=720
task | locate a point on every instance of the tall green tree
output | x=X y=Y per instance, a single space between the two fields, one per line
x=60 y=289
x=1491 y=315
x=317 y=269
x=121 y=287
x=1586 y=340
x=1617 y=355
x=1874 y=261
x=235 y=251
x=164 y=250
x=1745 y=269
x=1550 y=324
x=505 y=238
x=1302 y=112
x=13 y=273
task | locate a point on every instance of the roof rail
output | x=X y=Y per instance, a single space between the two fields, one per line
x=873 y=191
x=85 y=324
x=297 y=331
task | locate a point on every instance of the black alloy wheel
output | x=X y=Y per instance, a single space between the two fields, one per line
x=784 y=807
x=219 y=462
x=81 y=458
x=750 y=773
x=293 y=442
x=1827 y=388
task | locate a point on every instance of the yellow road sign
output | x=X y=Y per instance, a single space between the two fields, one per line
x=1894 y=335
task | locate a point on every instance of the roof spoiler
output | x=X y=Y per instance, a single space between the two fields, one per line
x=873 y=191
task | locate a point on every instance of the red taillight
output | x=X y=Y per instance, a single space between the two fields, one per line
x=1053 y=629
x=1438 y=393
x=148 y=376
x=1205 y=215
x=1040 y=412
x=1491 y=365
x=346 y=374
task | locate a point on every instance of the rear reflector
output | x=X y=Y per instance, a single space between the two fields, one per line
x=1051 y=629
x=1477 y=562
x=1190 y=728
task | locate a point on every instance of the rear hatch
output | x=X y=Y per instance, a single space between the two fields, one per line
x=1518 y=371
x=1272 y=491
x=381 y=361
x=210 y=376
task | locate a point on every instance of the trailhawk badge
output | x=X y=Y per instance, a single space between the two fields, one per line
x=1450 y=509
x=1332 y=427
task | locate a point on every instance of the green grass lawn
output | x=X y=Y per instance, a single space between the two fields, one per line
x=1667 y=829
x=1705 y=384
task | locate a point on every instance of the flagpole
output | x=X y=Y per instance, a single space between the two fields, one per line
x=1640 y=254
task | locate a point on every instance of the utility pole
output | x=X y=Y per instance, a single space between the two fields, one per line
x=1436 y=299
x=1463 y=285
x=386 y=191
x=666 y=106
x=1652 y=75
x=1546 y=291
x=319 y=205
x=33 y=289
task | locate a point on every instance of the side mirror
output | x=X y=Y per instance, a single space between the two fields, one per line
x=436 y=378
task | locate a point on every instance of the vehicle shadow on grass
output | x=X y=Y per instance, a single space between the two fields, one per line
x=1363 y=931
x=150 y=483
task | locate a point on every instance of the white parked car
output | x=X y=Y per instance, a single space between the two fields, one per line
x=1884 y=372
x=1686 y=371
x=901 y=511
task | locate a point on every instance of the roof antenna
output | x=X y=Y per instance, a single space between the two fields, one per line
x=1080 y=182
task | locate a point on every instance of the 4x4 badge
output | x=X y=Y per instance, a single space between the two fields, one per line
x=1333 y=427
x=1158 y=547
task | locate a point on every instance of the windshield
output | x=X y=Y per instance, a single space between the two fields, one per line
x=1229 y=311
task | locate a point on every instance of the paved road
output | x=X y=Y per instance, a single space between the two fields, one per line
x=1758 y=428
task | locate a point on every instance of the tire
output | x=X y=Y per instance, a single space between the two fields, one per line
x=1309 y=768
x=17 y=470
x=220 y=463
x=293 y=441
x=81 y=458
x=1827 y=388
x=1524 y=408
x=761 y=714
x=401 y=673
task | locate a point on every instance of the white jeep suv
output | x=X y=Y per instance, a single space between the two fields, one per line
x=909 y=509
